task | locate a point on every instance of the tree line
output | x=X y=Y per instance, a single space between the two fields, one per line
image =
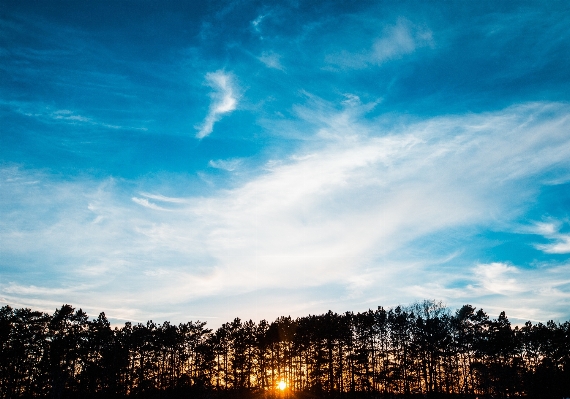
x=418 y=350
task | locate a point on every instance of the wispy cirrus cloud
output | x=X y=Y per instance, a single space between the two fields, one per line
x=337 y=213
x=49 y=115
x=223 y=100
x=337 y=187
x=147 y=204
x=560 y=242
x=163 y=198
x=537 y=293
x=550 y=229
x=498 y=278
x=256 y=24
x=225 y=164
x=271 y=60
x=395 y=42
x=561 y=246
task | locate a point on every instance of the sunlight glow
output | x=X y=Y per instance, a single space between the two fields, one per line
x=282 y=385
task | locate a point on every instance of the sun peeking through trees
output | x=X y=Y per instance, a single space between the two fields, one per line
x=423 y=349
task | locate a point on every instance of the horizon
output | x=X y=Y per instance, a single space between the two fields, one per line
x=412 y=309
x=177 y=162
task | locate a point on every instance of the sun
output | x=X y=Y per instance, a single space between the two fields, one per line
x=282 y=385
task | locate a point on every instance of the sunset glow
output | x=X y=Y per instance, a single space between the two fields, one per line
x=282 y=385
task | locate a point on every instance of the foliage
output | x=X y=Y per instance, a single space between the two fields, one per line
x=420 y=350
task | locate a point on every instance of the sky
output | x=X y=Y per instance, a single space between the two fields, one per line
x=197 y=160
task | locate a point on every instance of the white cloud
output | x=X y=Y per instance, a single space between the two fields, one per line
x=256 y=24
x=147 y=204
x=345 y=211
x=223 y=100
x=536 y=293
x=497 y=278
x=550 y=230
x=271 y=60
x=546 y=229
x=396 y=41
x=68 y=115
x=226 y=164
x=561 y=246
x=46 y=114
x=162 y=198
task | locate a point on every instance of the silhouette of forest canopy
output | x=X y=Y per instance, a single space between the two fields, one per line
x=419 y=350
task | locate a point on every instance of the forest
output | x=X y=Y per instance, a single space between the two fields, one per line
x=421 y=350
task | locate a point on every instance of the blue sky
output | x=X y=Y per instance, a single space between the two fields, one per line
x=211 y=160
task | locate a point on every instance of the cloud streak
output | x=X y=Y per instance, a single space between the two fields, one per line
x=550 y=231
x=539 y=293
x=223 y=100
x=48 y=115
x=562 y=246
x=271 y=60
x=348 y=210
x=397 y=40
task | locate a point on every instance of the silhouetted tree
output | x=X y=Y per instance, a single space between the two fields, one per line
x=420 y=349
